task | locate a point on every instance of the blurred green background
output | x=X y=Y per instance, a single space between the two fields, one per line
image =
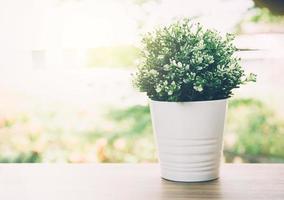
x=71 y=100
x=253 y=133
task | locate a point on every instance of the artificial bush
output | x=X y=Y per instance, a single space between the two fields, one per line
x=186 y=62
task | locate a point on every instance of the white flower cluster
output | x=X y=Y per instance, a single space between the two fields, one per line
x=167 y=87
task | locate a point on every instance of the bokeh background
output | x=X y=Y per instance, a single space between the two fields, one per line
x=65 y=78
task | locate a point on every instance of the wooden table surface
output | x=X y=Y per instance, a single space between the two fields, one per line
x=135 y=182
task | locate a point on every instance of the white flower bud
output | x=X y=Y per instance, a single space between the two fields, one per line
x=170 y=92
x=166 y=67
x=198 y=88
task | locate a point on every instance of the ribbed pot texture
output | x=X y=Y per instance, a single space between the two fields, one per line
x=189 y=137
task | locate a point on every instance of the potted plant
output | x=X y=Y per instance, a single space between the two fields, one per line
x=189 y=72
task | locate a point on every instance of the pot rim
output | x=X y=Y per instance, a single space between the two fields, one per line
x=192 y=102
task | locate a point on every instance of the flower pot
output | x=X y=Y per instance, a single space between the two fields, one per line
x=189 y=137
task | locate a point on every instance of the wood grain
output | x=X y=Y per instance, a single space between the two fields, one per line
x=135 y=182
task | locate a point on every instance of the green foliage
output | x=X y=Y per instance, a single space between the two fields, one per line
x=133 y=129
x=186 y=62
x=258 y=131
x=264 y=15
x=23 y=157
x=113 y=56
x=254 y=133
x=117 y=135
x=275 y=7
x=137 y=119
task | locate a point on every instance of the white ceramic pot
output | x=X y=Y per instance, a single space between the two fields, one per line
x=189 y=137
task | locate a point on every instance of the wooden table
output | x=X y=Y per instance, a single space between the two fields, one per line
x=135 y=182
